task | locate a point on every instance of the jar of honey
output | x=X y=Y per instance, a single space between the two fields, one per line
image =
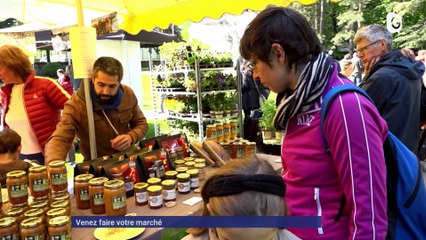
x=115 y=198
x=211 y=132
x=184 y=185
x=35 y=212
x=59 y=228
x=226 y=131
x=181 y=170
x=16 y=213
x=38 y=181
x=189 y=159
x=58 y=176
x=62 y=204
x=154 y=181
x=33 y=228
x=81 y=190
x=55 y=212
x=169 y=190
x=179 y=163
x=141 y=194
x=234 y=129
x=171 y=175
x=250 y=148
x=219 y=132
x=193 y=180
x=155 y=197
x=9 y=228
x=17 y=187
x=40 y=205
x=96 y=195
x=190 y=164
x=60 y=196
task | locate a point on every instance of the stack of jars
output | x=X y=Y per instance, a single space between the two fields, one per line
x=222 y=131
x=239 y=147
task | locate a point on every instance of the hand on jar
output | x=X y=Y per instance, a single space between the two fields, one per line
x=121 y=142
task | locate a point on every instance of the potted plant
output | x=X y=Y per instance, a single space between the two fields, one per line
x=266 y=124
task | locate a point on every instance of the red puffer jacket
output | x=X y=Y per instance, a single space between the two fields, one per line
x=43 y=99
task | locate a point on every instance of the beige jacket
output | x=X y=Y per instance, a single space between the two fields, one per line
x=127 y=118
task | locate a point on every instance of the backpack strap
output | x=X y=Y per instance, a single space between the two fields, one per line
x=328 y=98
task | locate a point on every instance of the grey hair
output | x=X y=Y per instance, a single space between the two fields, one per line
x=374 y=33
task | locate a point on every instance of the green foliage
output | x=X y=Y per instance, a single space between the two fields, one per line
x=49 y=70
x=268 y=110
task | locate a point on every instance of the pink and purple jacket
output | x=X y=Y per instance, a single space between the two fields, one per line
x=352 y=171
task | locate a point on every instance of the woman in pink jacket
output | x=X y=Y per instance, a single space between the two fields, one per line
x=31 y=105
x=346 y=183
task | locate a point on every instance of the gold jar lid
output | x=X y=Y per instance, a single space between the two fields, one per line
x=200 y=160
x=7 y=221
x=188 y=159
x=251 y=143
x=171 y=173
x=34 y=212
x=168 y=182
x=179 y=161
x=154 y=189
x=16 y=174
x=59 y=221
x=59 y=204
x=57 y=163
x=114 y=184
x=98 y=181
x=211 y=126
x=140 y=185
x=181 y=169
x=14 y=212
x=183 y=176
x=61 y=197
x=54 y=212
x=153 y=180
x=218 y=124
x=83 y=177
x=193 y=171
x=189 y=164
x=37 y=169
x=31 y=222
x=39 y=204
x=200 y=165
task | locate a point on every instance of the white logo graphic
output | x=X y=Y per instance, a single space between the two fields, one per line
x=394 y=22
x=305 y=120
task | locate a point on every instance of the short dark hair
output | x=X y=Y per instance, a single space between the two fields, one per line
x=9 y=141
x=280 y=25
x=108 y=65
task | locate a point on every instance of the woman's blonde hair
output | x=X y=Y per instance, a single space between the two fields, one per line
x=248 y=203
x=16 y=60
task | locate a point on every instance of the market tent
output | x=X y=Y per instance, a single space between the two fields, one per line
x=132 y=15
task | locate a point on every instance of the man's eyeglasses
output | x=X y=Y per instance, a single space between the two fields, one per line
x=362 y=49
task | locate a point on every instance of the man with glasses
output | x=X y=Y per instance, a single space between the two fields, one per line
x=393 y=82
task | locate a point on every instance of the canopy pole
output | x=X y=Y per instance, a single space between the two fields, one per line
x=89 y=106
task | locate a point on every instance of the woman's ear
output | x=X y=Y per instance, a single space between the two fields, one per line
x=277 y=52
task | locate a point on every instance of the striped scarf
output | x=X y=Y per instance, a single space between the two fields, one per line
x=309 y=88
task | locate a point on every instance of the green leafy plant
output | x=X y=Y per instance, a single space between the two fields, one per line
x=268 y=110
x=49 y=70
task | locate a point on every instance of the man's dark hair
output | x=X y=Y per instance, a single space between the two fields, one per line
x=280 y=25
x=9 y=141
x=108 y=65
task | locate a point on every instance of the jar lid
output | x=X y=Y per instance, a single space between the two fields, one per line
x=200 y=165
x=168 y=182
x=218 y=124
x=57 y=163
x=191 y=163
x=37 y=169
x=83 y=177
x=211 y=126
x=98 y=181
x=187 y=159
x=251 y=143
x=59 y=221
x=59 y=204
x=7 y=221
x=14 y=212
x=179 y=161
x=39 y=204
x=114 y=184
x=61 y=197
x=181 y=169
x=171 y=173
x=192 y=171
x=140 y=185
x=54 y=212
x=154 y=188
x=200 y=160
x=153 y=180
x=183 y=176
x=31 y=222
x=16 y=174
x=34 y=212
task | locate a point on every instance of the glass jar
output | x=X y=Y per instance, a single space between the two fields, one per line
x=58 y=176
x=59 y=228
x=40 y=205
x=17 y=214
x=35 y=212
x=250 y=148
x=193 y=178
x=141 y=194
x=184 y=185
x=190 y=164
x=179 y=163
x=189 y=159
x=116 y=174
x=38 y=181
x=115 y=198
x=17 y=187
x=96 y=195
x=9 y=228
x=179 y=152
x=33 y=228
x=171 y=175
x=154 y=181
x=200 y=160
x=211 y=132
x=234 y=129
x=81 y=190
x=181 y=170
x=62 y=204
x=60 y=196
x=169 y=190
x=219 y=132
x=226 y=131
x=55 y=212
x=155 y=197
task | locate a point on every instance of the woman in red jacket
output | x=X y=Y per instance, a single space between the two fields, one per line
x=31 y=105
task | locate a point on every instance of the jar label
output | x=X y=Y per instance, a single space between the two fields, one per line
x=59 y=178
x=98 y=199
x=40 y=184
x=119 y=202
x=184 y=187
x=18 y=190
x=226 y=131
x=155 y=201
x=34 y=237
x=9 y=236
x=240 y=152
x=128 y=185
x=141 y=197
x=63 y=236
x=84 y=194
x=234 y=130
x=194 y=182
x=169 y=194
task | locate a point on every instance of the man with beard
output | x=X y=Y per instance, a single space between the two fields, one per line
x=119 y=122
